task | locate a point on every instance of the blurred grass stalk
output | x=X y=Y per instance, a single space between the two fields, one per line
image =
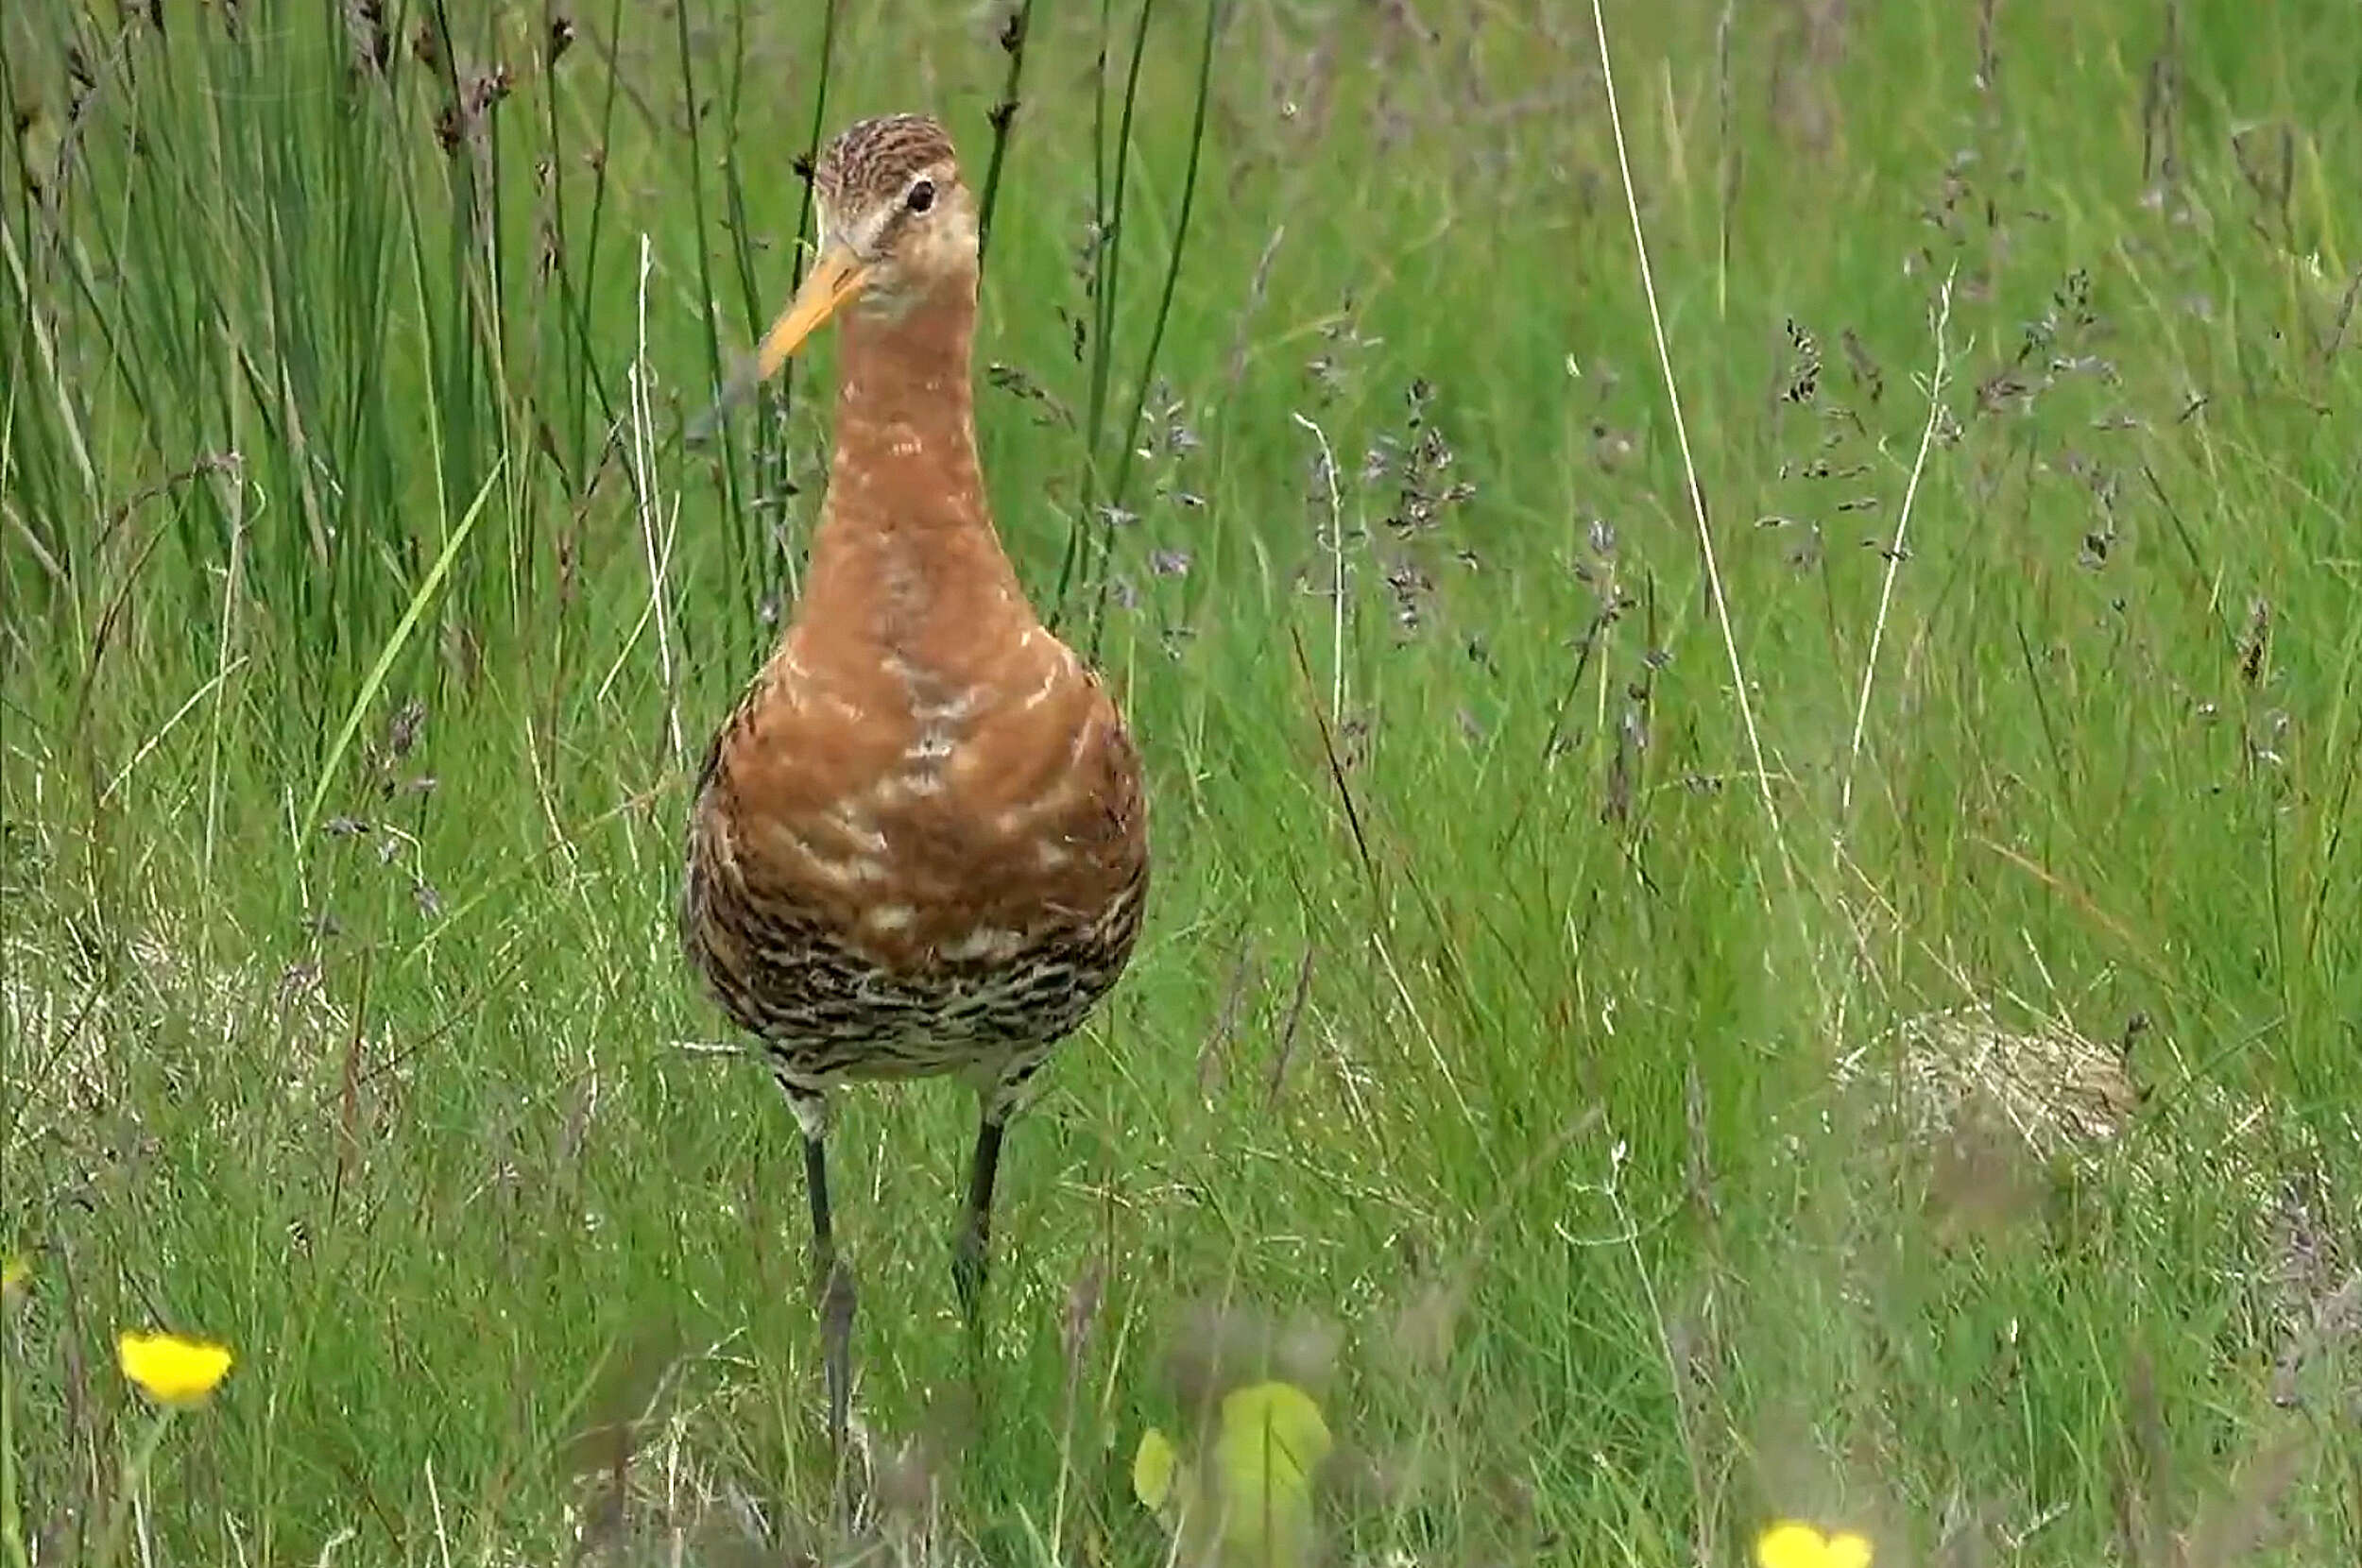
x=1089 y=560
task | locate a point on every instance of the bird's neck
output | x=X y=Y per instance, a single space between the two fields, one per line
x=906 y=540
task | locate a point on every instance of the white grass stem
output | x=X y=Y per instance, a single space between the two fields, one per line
x=47 y=348
x=660 y=557
x=1895 y=555
x=1336 y=574
x=434 y=1504
x=148 y=747
x=230 y=581
x=1681 y=432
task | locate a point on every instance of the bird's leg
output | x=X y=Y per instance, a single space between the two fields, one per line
x=836 y=1299
x=816 y=1186
x=834 y=1280
x=970 y=1249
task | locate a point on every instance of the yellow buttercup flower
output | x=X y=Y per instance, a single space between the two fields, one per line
x=1789 y=1545
x=171 y=1370
x=14 y=1271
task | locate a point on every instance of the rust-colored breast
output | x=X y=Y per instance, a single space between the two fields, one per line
x=900 y=859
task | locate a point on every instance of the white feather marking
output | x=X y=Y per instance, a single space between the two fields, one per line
x=896 y=789
x=859 y=831
x=985 y=941
x=1040 y=694
x=949 y=711
x=842 y=873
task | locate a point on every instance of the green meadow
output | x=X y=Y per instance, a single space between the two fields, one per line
x=1755 y=905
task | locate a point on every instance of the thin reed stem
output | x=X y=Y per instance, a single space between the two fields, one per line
x=1894 y=553
x=1014 y=34
x=1681 y=432
x=1157 y=327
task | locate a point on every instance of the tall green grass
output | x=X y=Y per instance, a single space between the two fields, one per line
x=1586 y=1142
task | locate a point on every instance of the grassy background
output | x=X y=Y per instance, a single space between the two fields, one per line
x=1569 y=1098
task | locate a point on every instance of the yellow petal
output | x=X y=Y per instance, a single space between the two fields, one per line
x=1847 y=1550
x=1152 y=1470
x=14 y=1271
x=171 y=1370
x=1789 y=1545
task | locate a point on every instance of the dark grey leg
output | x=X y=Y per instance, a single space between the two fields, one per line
x=834 y=1279
x=816 y=1187
x=836 y=1299
x=969 y=1250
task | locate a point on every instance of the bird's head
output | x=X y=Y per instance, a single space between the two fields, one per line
x=898 y=227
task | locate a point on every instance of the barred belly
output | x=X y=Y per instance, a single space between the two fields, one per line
x=828 y=1012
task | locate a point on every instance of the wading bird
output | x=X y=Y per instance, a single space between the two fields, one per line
x=918 y=843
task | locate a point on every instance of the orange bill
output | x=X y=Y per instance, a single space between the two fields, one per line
x=836 y=275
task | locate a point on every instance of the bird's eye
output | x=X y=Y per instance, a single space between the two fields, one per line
x=921 y=198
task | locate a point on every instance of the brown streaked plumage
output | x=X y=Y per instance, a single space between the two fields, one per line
x=919 y=846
